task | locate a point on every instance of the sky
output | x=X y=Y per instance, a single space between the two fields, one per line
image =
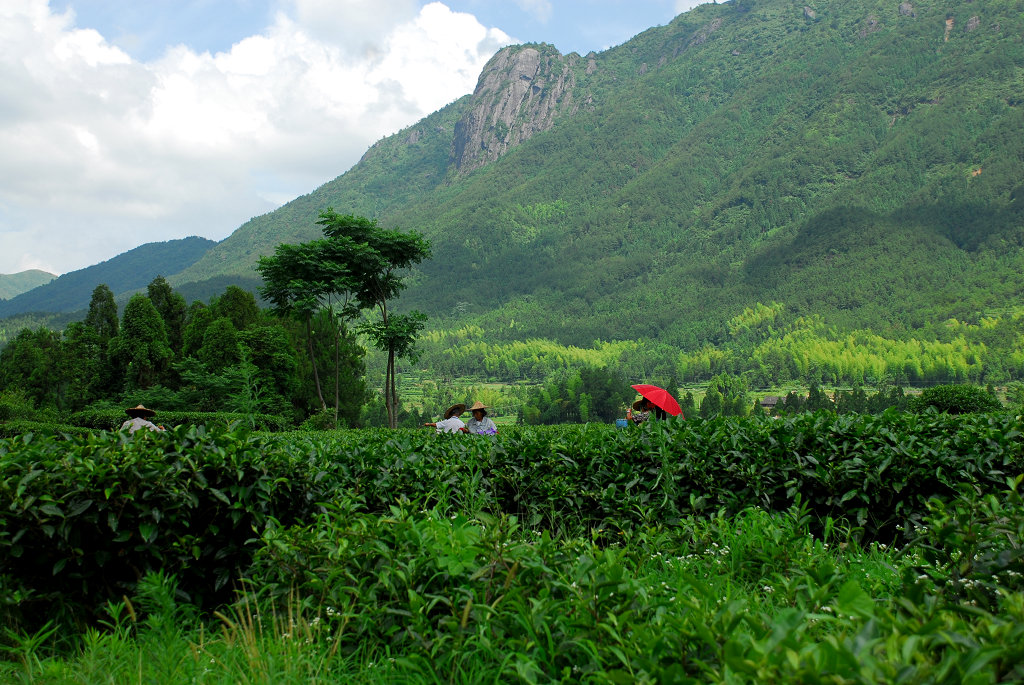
x=124 y=122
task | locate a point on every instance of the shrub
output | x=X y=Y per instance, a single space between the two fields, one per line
x=111 y=419
x=15 y=404
x=13 y=429
x=83 y=518
x=955 y=399
x=973 y=546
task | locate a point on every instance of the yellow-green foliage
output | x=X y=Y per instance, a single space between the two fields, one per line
x=754 y=317
x=464 y=352
x=863 y=355
x=704 y=363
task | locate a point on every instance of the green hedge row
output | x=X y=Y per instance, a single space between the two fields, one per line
x=874 y=472
x=17 y=427
x=111 y=419
x=83 y=517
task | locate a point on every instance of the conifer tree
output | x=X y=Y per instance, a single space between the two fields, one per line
x=102 y=315
x=172 y=309
x=711 y=405
x=140 y=352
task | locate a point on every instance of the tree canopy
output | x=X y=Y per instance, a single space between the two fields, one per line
x=356 y=266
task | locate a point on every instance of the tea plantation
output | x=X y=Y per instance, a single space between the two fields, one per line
x=811 y=548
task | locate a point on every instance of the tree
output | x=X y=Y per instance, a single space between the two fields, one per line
x=818 y=400
x=792 y=403
x=102 y=316
x=85 y=371
x=356 y=266
x=688 y=405
x=608 y=393
x=300 y=280
x=712 y=403
x=336 y=345
x=852 y=402
x=199 y=316
x=220 y=346
x=172 y=309
x=238 y=305
x=269 y=348
x=729 y=396
x=102 y=320
x=32 y=362
x=140 y=352
x=376 y=259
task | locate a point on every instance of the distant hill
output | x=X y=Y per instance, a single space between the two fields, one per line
x=12 y=285
x=856 y=160
x=129 y=271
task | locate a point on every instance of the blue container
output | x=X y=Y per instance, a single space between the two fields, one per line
x=621 y=423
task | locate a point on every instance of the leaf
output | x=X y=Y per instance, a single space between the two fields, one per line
x=220 y=495
x=80 y=507
x=853 y=601
x=148 y=531
x=52 y=510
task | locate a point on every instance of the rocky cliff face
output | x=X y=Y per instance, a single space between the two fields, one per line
x=521 y=91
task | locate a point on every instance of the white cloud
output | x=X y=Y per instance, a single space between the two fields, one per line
x=539 y=9
x=357 y=27
x=103 y=153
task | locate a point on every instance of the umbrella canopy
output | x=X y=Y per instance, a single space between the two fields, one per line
x=660 y=397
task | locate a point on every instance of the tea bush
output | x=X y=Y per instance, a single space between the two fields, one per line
x=83 y=517
x=754 y=598
x=18 y=427
x=955 y=399
x=973 y=546
x=111 y=419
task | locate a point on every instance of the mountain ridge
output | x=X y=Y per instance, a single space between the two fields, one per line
x=127 y=272
x=12 y=285
x=859 y=160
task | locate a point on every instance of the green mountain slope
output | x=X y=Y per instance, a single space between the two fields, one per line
x=861 y=160
x=12 y=285
x=129 y=271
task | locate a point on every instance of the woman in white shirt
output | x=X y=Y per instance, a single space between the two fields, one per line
x=451 y=423
x=480 y=424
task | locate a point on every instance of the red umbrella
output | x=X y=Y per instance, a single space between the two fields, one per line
x=660 y=397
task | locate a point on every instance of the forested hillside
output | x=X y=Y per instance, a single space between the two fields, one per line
x=12 y=285
x=125 y=273
x=858 y=160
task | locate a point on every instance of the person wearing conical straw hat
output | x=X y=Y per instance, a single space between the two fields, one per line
x=451 y=423
x=140 y=418
x=480 y=424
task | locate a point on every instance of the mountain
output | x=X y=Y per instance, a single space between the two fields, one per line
x=130 y=271
x=860 y=160
x=23 y=281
